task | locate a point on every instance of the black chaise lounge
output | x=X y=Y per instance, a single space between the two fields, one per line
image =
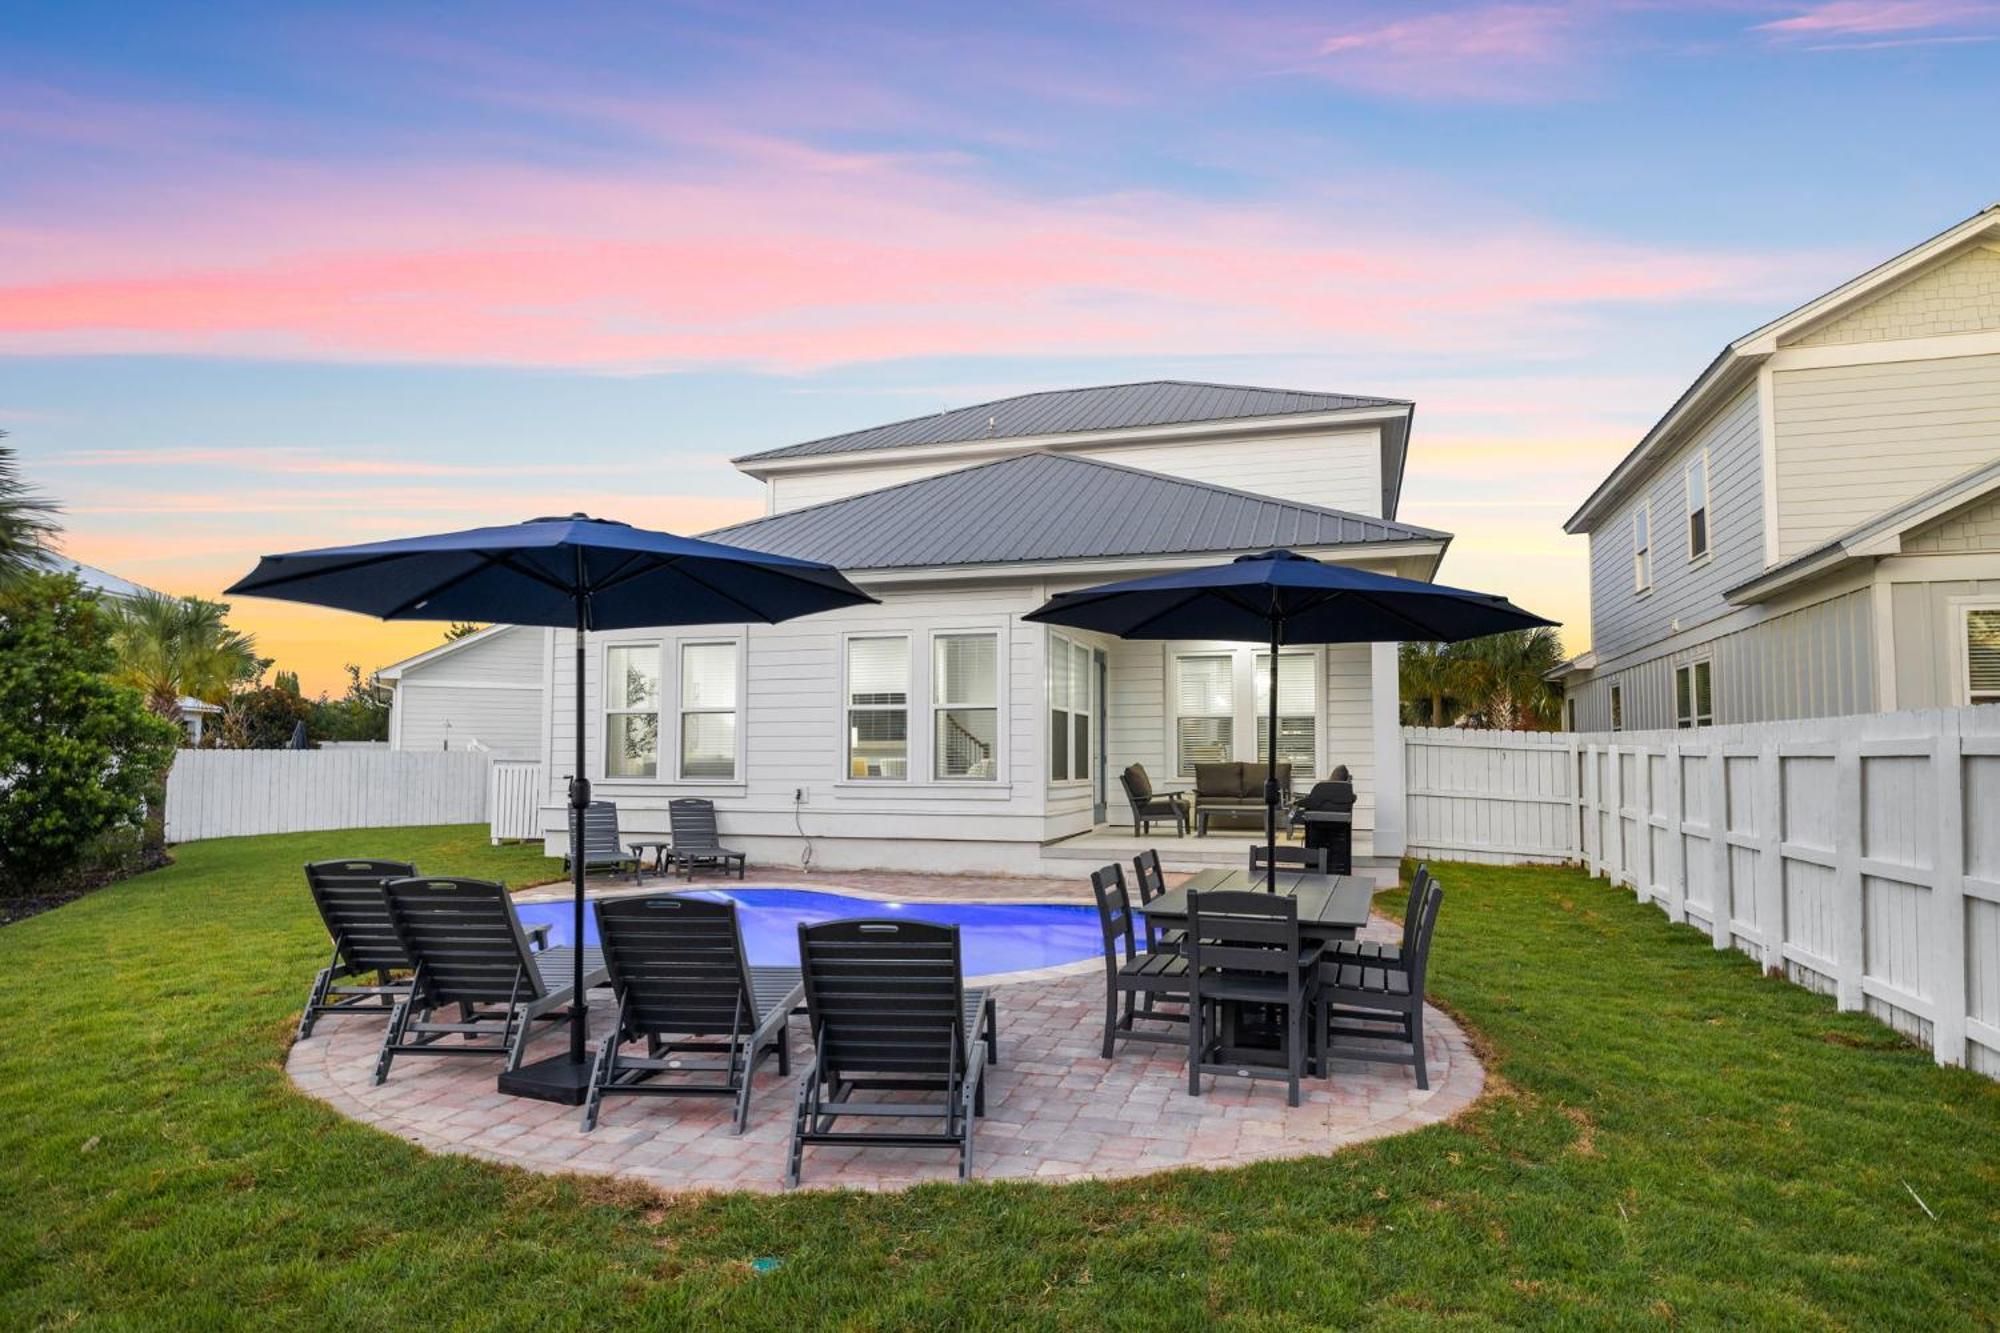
x=1369 y=1001
x=695 y=841
x=351 y=902
x=890 y=1012
x=686 y=989
x=1155 y=975
x=602 y=845
x=470 y=951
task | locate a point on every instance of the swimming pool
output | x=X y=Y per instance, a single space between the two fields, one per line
x=994 y=937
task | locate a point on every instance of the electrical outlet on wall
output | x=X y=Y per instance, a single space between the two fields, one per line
x=798 y=796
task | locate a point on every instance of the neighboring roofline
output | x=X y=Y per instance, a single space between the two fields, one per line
x=1583 y=662
x=1741 y=357
x=1879 y=536
x=1134 y=565
x=395 y=670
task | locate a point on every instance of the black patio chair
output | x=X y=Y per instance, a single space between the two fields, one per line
x=470 y=951
x=890 y=1012
x=1374 y=954
x=1156 y=976
x=602 y=845
x=1149 y=805
x=1153 y=883
x=1372 y=1002
x=695 y=841
x=682 y=980
x=1243 y=949
x=356 y=912
x=1288 y=858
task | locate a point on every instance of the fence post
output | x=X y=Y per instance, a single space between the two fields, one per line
x=1849 y=929
x=1575 y=779
x=1721 y=896
x=1648 y=877
x=1946 y=963
x=1676 y=838
x=1770 y=816
x=1615 y=803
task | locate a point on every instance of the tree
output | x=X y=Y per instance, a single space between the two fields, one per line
x=461 y=629
x=170 y=647
x=1433 y=680
x=27 y=521
x=81 y=757
x=265 y=718
x=361 y=714
x=1498 y=681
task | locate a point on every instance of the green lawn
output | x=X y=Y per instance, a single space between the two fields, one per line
x=1669 y=1137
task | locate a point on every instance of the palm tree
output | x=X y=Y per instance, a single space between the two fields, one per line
x=1434 y=681
x=27 y=521
x=170 y=647
x=1506 y=678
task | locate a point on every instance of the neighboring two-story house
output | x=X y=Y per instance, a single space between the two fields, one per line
x=1813 y=529
x=938 y=730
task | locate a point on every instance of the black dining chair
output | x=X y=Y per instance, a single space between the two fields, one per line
x=1372 y=1003
x=1157 y=975
x=1373 y=953
x=1288 y=858
x=1152 y=884
x=1243 y=948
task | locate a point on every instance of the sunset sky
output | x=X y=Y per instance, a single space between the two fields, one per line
x=274 y=277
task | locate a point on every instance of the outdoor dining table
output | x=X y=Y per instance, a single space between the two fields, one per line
x=1331 y=907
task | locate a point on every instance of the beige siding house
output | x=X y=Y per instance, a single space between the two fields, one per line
x=1813 y=529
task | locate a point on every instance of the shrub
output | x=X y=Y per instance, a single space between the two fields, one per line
x=80 y=756
x=263 y=719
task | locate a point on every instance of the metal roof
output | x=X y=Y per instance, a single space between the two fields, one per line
x=1043 y=506
x=1066 y=411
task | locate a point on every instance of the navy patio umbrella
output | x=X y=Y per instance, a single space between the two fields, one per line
x=574 y=571
x=1283 y=597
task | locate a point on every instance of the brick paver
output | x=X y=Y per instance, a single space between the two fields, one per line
x=1056 y=1110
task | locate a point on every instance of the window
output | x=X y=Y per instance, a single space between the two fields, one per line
x=1569 y=712
x=1642 y=548
x=1617 y=708
x=1070 y=711
x=1298 y=710
x=965 y=706
x=1697 y=505
x=1982 y=654
x=708 y=711
x=878 y=708
x=1694 y=700
x=632 y=711
x=1204 y=709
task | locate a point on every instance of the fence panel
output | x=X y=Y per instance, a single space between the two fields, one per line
x=233 y=793
x=1859 y=856
x=514 y=803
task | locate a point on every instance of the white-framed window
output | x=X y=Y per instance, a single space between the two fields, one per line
x=1298 y=710
x=1071 y=689
x=708 y=712
x=1204 y=709
x=632 y=710
x=965 y=706
x=1697 y=505
x=878 y=707
x=1979 y=651
x=1642 y=547
x=1617 y=708
x=1694 y=695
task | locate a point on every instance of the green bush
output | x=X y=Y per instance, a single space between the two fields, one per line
x=263 y=719
x=80 y=756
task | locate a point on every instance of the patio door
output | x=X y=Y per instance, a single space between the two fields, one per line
x=1099 y=672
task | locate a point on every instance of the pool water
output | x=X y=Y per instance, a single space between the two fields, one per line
x=993 y=937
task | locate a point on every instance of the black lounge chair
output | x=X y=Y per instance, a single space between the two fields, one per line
x=1156 y=976
x=695 y=841
x=1372 y=954
x=1288 y=858
x=1368 y=1001
x=1243 y=949
x=678 y=969
x=1149 y=805
x=602 y=845
x=890 y=1012
x=351 y=902
x=470 y=951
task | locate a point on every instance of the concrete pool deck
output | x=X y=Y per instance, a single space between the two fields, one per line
x=1056 y=1110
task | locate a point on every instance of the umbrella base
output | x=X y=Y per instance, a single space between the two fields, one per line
x=556 y=1079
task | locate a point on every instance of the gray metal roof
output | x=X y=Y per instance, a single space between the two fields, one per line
x=1042 y=506
x=1064 y=411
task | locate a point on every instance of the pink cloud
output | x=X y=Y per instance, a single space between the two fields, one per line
x=1866 y=18
x=1500 y=52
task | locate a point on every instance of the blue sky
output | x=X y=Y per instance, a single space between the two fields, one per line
x=284 y=276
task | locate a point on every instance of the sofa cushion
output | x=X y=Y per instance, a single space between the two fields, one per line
x=1254 y=775
x=1138 y=783
x=1218 y=781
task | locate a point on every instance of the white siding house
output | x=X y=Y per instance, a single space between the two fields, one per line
x=1807 y=531
x=486 y=691
x=938 y=730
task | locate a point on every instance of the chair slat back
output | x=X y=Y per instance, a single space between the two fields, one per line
x=1114 y=910
x=1417 y=950
x=1241 y=931
x=693 y=820
x=356 y=911
x=1298 y=858
x=1419 y=882
x=600 y=833
x=676 y=964
x=1152 y=880
x=884 y=997
x=466 y=938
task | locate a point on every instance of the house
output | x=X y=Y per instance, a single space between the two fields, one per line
x=1813 y=528
x=485 y=691
x=938 y=730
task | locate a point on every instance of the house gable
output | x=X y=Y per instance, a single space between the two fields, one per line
x=1960 y=294
x=1973 y=528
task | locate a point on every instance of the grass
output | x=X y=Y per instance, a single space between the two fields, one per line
x=1670 y=1138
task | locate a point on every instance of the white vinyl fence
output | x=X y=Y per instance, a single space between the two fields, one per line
x=514 y=800
x=1859 y=856
x=230 y=793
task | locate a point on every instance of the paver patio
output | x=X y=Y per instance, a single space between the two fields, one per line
x=1056 y=1110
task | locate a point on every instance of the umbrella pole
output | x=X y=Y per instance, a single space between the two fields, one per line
x=579 y=800
x=1271 y=770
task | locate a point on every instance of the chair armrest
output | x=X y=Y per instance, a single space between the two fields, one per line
x=538 y=937
x=1310 y=954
